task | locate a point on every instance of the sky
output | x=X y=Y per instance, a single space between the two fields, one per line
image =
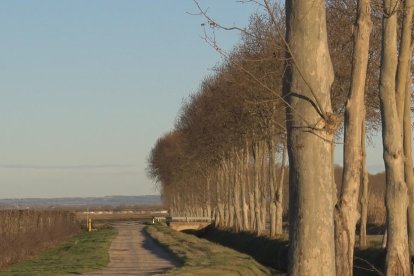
x=86 y=88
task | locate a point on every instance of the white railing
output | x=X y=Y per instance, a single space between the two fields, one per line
x=158 y=219
x=188 y=219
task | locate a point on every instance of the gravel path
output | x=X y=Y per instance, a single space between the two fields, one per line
x=133 y=252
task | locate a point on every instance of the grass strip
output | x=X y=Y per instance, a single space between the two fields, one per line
x=273 y=253
x=201 y=257
x=85 y=252
x=269 y=252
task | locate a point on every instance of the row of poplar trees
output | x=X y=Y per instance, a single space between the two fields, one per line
x=304 y=74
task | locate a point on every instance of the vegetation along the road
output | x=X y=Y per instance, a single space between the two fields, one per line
x=24 y=233
x=87 y=251
x=201 y=257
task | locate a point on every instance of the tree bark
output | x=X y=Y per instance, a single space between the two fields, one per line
x=252 y=213
x=244 y=182
x=264 y=185
x=237 y=193
x=279 y=195
x=346 y=210
x=272 y=186
x=364 y=193
x=404 y=57
x=408 y=164
x=311 y=127
x=208 y=197
x=396 y=199
x=220 y=192
x=257 y=197
x=403 y=95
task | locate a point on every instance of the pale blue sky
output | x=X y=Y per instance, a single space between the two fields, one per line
x=86 y=88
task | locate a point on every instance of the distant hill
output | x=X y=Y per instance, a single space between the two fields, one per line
x=82 y=202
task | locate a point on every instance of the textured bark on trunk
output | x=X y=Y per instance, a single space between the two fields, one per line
x=272 y=219
x=264 y=185
x=230 y=204
x=311 y=126
x=252 y=213
x=346 y=210
x=408 y=164
x=237 y=194
x=257 y=197
x=220 y=207
x=272 y=186
x=208 y=197
x=228 y=213
x=279 y=195
x=364 y=193
x=396 y=199
x=403 y=95
x=263 y=213
x=244 y=183
x=404 y=57
x=237 y=207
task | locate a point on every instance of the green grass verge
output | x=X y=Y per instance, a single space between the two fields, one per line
x=269 y=252
x=82 y=253
x=201 y=257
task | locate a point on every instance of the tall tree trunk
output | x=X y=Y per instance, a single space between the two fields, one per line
x=346 y=210
x=279 y=194
x=220 y=194
x=208 y=196
x=252 y=208
x=217 y=211
x=227 y=202
x=408 y=164
x=244 y=183
x=364 y=193
x=264 y=186
x=230 y=202
x=396 y=199
x=237 y=192
x=273 y=187
x=404 y=57
x=311 y=127
x=257 y=197
x=403 y=95
x=250 y=175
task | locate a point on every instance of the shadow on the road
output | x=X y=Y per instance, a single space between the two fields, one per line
x=155 y=248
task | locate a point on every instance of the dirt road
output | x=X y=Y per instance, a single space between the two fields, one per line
x=132 y=252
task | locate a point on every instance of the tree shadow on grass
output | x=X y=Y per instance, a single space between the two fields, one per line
x=155 y=248
x=269 y=252
x=273 y=253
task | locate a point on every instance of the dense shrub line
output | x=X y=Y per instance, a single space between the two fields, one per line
x=24 y=232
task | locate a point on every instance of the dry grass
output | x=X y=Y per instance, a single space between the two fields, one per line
x=25 y=232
